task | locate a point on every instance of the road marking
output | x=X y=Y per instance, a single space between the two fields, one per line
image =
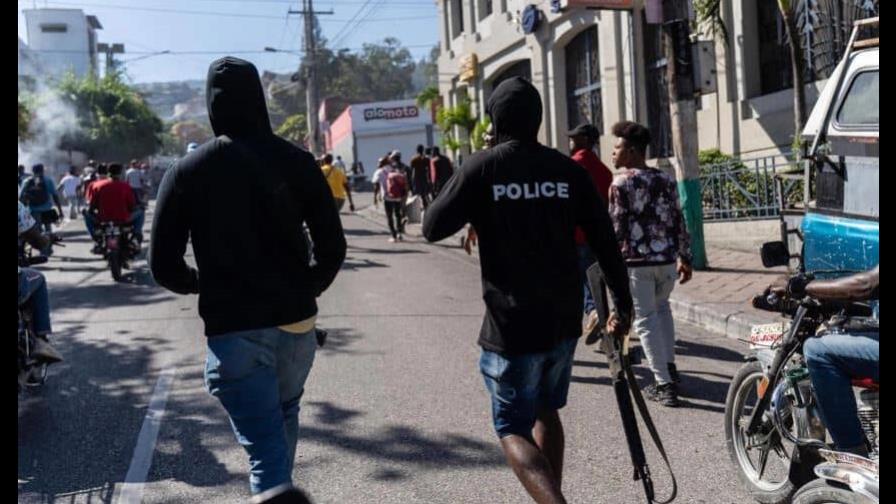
x=131 y=491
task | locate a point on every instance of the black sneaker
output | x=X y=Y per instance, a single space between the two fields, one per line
x=665 y=394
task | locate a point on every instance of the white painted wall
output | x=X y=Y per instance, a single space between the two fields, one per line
x=60 y=52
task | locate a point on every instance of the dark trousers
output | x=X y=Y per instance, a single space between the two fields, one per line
x=394 y=216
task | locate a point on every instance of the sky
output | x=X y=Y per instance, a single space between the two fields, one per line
x=241 y=28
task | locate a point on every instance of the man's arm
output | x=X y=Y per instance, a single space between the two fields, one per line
x=325 y=228
x=594 y=220
x=683 y=238
x=170 y=233
x=859 y=287
x=55 y=196
x=451 y=210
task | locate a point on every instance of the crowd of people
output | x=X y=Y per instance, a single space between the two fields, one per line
x=541 y=218
x=100 y=193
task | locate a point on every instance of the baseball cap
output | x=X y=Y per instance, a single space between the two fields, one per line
x=585 y=129
x=395 y=153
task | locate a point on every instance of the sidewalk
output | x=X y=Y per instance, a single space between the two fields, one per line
x=717 y=299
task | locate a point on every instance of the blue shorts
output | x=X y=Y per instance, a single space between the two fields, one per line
x=523 y=385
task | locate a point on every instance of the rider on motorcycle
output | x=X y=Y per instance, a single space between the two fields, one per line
x=113 y=200
x=33 y=287
x=845 y=350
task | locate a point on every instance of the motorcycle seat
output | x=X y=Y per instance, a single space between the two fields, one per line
x=866 y=383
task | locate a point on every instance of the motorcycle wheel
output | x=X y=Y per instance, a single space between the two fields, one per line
x=823 y=491
x=115 y=265
x=775 y=484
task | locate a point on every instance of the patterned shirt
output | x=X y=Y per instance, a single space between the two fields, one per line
x=647 y=217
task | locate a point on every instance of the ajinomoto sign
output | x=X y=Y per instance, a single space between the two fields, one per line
x=602 y=4
x=469 y=68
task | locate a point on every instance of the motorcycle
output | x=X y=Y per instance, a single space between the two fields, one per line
x=32 y=373
x=774 y=433
x=118 y=245
x=843 y=478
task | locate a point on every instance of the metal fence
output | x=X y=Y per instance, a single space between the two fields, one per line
x=744 y=189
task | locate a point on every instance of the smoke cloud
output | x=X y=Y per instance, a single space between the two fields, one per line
x=52 y=118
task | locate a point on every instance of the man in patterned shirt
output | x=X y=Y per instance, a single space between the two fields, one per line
x=655 y=243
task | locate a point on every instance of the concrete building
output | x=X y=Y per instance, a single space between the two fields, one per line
x=62 y=40
x=603 y=66
x=364 y=132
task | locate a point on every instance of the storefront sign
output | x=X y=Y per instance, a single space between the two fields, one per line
x=389 y=113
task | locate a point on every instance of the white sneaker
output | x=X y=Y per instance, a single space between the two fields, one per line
x=392 y=240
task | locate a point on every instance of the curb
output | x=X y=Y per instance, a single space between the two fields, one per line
x=730 y=324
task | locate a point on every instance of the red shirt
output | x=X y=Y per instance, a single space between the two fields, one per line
x=600 y=175
x=114 y=199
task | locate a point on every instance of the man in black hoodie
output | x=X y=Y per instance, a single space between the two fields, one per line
x=257 y=289
x=525 y=201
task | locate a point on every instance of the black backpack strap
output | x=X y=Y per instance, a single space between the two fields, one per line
x=648 y=422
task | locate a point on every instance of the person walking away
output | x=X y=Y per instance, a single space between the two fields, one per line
x=525 y=201
x=394 y=198
x=420 y=176
x=583 y=139
x=655 y=243
x=39 y=194
x=136 y=179
x=440 y=170
x=33 y=289
x=69 y=187
x=256 y=283
x=338 y=183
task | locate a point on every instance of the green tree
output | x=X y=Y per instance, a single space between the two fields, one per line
x=115 y=122
x=293 y=128
x=460 y=117
x=428 y=96
x=24 y=120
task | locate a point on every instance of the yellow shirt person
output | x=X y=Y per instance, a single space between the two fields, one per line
x=338 y=183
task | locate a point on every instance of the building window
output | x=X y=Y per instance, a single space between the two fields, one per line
x=583 y=101
x=824 y=27
x=485 y=9
x=659 y=120
x=54 y=28
x=457 y=18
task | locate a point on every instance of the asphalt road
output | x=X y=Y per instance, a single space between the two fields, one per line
x=394 y=411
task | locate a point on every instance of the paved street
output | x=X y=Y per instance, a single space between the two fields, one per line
x=394 y=411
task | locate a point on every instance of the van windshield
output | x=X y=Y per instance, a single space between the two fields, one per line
x=861 y=107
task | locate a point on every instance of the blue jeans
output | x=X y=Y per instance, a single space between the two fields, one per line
x=523 y=385
x=259 y=377
x=833 y=361
x=586 y=259
x=33 y=286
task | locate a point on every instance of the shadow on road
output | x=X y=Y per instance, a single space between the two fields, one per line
x=335 y=427
x=138 y=289
x=364 y=232
x=76 y=435
x=384 y=251
x=351 y=263
x=712 y=352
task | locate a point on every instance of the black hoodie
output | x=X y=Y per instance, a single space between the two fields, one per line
x=242 y=199
x=525 y=200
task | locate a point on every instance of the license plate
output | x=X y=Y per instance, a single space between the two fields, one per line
x=766 y=335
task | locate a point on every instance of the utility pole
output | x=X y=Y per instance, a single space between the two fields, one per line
x=110 y=50
x=311 y=98
x=683 y=112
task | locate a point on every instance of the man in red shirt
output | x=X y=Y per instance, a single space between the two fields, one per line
x=582 y=141
x=112 y=199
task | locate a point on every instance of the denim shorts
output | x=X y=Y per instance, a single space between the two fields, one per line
x=523 y=385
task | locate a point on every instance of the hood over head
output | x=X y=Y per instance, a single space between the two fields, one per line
x=236 y=105
x=515 y=109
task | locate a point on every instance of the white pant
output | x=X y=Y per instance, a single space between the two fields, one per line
x=651 y=287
